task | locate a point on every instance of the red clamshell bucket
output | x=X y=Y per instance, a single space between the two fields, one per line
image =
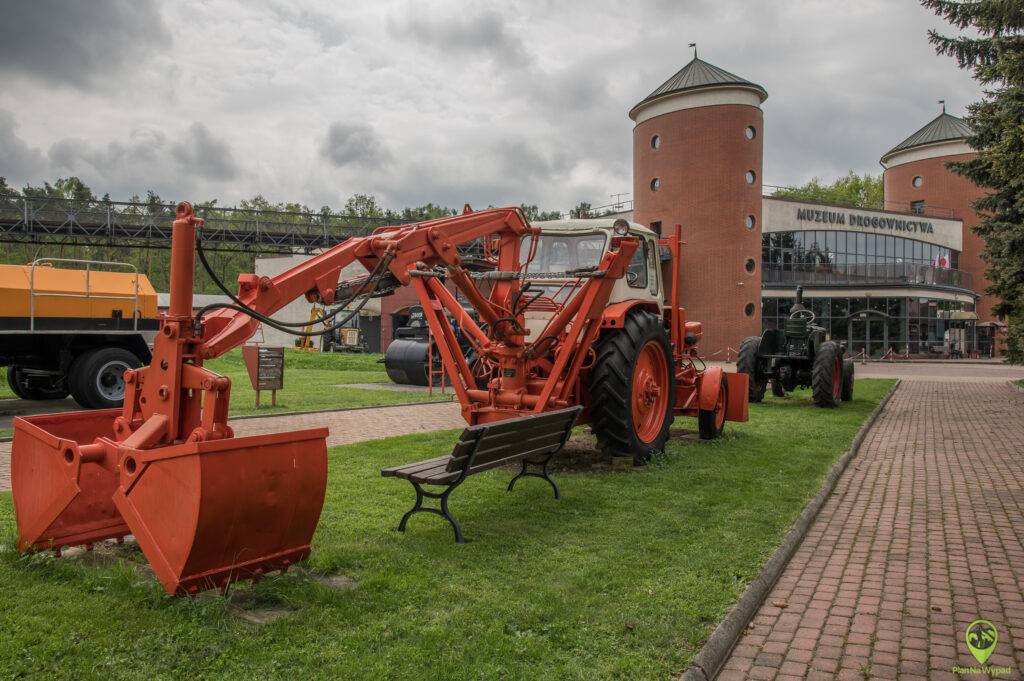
x=204 y=513
x=207 y=508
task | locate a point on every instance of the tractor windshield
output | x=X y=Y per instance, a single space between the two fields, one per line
x=563 y=252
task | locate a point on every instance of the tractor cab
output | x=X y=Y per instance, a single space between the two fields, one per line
x=567 y=248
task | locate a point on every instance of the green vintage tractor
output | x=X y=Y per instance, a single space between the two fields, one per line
x=797 y=356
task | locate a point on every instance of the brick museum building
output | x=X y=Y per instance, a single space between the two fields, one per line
x=904 y=280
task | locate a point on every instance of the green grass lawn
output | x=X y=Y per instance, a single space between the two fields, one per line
x=311 y=382
x=623 y=578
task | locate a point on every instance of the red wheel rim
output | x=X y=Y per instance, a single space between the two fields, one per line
x=650 y=391
x=837 y=378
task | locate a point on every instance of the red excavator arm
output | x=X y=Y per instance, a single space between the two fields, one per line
x=421 y=255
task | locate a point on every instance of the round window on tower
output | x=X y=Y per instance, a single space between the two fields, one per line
x=918 y=181
x=749 y=265
x=751 y=177
x=749 y=310
x=750 y=221
x=655 y=142
x=750 y=132
x=655 y=184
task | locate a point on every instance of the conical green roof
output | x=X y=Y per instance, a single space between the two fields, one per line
x=944 y=128
x=696 y=75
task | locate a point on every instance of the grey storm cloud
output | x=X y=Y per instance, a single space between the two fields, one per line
x=438 y=100
x=78 y=43
x=458 y=32
x=204 y=155
x=353 y=144
x=18 y=158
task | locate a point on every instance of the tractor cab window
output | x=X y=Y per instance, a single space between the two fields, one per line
x=636 y=273
x=652 y=265
x=563 y=252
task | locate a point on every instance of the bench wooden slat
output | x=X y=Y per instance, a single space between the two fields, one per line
x=517 y=424
x=397 y=471
x=489 y=450
x=546 y=441
x=434 y=475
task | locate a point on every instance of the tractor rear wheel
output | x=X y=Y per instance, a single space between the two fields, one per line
x=747 y=363
x=712 y=423
x=847 y=392
x=633 y=389
x=827 y=375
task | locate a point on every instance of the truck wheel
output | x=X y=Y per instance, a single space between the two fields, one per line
x=97 y=377
x=827 y=375
x=633 y=389
x=847 y=393
x=712 y=423
x=43 y=388
x=747 y=364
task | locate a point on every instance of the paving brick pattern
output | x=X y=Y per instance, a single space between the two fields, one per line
x=923 y=534
x=355 y=425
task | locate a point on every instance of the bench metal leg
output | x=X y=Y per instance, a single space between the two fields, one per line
x=525 y=472
x=443 y=511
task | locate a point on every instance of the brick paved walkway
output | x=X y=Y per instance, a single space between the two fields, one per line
x=923 y=534
x=355 y=425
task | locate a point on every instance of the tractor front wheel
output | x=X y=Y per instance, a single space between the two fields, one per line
x=633 y=389
x=712 y=423
x=827 y=375
x=747 y=363
x=847 y=392
x=777 y=388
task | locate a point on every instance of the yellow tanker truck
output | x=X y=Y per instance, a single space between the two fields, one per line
x=74 y=326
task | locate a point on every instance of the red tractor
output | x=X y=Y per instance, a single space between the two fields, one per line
x=574 y=314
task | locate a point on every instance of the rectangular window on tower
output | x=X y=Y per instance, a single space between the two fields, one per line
x=917 y=207
x=656 y=227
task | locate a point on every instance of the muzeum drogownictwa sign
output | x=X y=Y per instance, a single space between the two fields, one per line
x=892 y=223
x=780 y=215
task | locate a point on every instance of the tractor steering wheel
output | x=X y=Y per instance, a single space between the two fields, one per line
x=802 y=314
x=632 y=277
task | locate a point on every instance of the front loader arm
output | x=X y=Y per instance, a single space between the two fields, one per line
x=401 y=248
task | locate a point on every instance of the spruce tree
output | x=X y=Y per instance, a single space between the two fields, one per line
x=994 y=52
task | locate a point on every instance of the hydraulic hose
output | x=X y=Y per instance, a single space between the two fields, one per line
x=288 y=327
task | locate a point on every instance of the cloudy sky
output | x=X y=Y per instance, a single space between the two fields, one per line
x=444 y=101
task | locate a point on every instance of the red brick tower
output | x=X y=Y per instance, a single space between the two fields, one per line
x=916 y=178
x=697 y=159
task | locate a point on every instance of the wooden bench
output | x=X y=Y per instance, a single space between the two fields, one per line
x=532 y=440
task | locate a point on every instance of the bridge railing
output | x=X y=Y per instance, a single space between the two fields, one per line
x=43 y=217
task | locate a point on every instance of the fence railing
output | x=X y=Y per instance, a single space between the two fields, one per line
x=886 y=274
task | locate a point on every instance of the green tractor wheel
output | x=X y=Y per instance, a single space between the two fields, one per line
x=747 y=364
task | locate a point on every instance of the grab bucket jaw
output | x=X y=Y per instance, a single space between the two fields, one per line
x=209 y=513
x=62 y=497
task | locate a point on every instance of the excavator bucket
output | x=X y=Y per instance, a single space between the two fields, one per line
x=63 y=497
x=204 y=513
x=210 y=513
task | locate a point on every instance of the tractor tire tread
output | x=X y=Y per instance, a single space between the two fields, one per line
x=822 y=374
x=746 y=363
